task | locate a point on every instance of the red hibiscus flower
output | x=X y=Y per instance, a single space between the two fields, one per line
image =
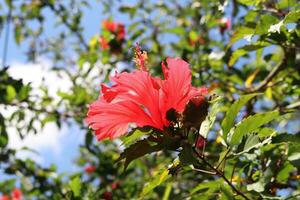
x=90 y=169
x=114 y=27
x=225 y=24
x=4 y=197
x=140 y=99
x=16 y=194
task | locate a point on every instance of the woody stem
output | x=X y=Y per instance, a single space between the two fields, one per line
x=220 y=174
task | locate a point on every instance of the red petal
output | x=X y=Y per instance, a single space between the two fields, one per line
x=177 y=87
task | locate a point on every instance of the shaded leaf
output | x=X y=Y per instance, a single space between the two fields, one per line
x=138 y=149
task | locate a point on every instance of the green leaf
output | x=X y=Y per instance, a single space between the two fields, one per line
x=244 y=50
x=10 y=93
x=75 y=186
x=232 y=112
x=177 y=30
x=210 y=187
x=250 y=124
x=264 y=24
x=3 y=133
x=186 y=155
x=258 y=186
x=253 y=141
x=158 y=178
x=292 y=16
x=137 y=150
x=136 y=135
x=210 y=118
x=285 y=137
x=266 y=132
x=18 y=34
x=241 y=33
x=284 y=173
x=250 y=2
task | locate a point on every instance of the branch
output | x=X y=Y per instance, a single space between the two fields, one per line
x=220 y=174
x=63 y=19
x=274 y=71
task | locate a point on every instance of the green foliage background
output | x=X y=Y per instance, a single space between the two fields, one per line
x=253 y=127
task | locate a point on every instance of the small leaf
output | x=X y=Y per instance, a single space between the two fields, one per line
x=258 y=186
x=177 y=30
x=10 y=93
x=75 y=186
x=251 y=78
x=250 y=124
x=232 y=112
x=250 y=2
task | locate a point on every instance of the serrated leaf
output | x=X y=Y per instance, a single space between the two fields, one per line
x=250 y=124
x=75 y=186
x=232 y=112
x=210 y=118
x=137 y=150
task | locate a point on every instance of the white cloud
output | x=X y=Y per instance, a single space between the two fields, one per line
x=50 y=138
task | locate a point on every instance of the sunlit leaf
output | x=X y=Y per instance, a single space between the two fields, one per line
x=251 y=124
x=232 y=112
